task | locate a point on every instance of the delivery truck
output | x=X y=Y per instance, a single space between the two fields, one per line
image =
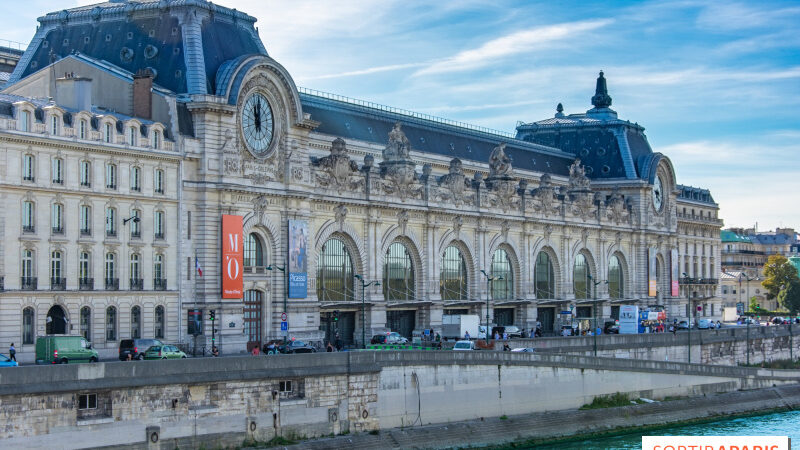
x=458 y=325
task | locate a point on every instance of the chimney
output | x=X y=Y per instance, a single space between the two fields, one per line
x=74 y=92
x=142 y=96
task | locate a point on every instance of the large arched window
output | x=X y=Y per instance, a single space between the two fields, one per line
x=544 y=277
x=615 y=280
x=453 y=277
x=335 y=272
x=398 y=273
x=111 y=323
x=501 y=267
x=86 y=323
x=580 y=274
x=136 y=322
x=27 y=325
x=159 y=322
x=253 y=251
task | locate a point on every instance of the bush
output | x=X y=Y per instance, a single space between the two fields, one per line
x=609 y=401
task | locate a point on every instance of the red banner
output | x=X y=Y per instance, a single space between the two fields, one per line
x=232 y=257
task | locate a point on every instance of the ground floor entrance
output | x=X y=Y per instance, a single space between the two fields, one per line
x=504 y=317
x=547 y=317
x=339 y=327
x=253 y=306
x=402 y=321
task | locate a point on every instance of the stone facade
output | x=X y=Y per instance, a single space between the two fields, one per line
x=429 y=208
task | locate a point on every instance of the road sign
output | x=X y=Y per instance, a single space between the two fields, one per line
x=284 y=326
x=283 y=317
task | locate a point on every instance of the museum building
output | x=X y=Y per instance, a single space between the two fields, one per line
x=130 y=128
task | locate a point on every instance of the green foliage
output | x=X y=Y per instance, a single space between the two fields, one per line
x=789 y=297
x=778 y=272
x=609 y=401
x=776 y=364
x=754 y=307
x=504 y=417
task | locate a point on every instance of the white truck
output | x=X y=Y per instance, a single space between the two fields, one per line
x=458 y=325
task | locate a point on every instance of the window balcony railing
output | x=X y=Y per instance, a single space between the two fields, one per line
x=58 y=284
x=58 y=230
x=111 y=233
x=160 y=236
x=86 y=184
x=136 y=234
x=159 y=190
x=28 y=229
x=159 y=284
x=112 y=284
x=136 y=189
x=58 y=181
x=2 y=283
x=136 y=284
x=690 y=280
x=28 y=283
x=86 y=284
x=111 y=186
x=28 y=178
x=86 y=231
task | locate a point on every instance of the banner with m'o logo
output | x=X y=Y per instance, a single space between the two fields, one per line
x=232 y=257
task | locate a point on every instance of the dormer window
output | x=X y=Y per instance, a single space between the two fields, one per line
x=132 y=136
x=53 y=124
x=82 y=129
x=156 y=139
x=25 y=121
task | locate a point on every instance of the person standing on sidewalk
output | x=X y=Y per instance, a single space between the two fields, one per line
x=12 y=352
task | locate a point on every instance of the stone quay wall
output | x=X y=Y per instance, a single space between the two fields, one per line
x=726 y=346
x=223 y=401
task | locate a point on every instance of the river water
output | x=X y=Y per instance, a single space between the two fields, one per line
x=777 y=424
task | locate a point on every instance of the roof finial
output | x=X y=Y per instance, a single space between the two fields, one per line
x=560 y=110
x=601 y=98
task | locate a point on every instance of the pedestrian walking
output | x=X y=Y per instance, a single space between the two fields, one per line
x=12 y=352
x=329 y=347
x=466 y=335
x=256 y=351
x=505 y=336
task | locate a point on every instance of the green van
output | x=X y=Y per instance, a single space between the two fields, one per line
x=64 y=350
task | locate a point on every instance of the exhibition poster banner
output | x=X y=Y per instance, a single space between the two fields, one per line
x=651 y=272
x=232 y=257
x=675 y=275
x=298 y=274
x=628 y=319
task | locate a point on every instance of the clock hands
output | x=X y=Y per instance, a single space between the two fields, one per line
x=257 y=115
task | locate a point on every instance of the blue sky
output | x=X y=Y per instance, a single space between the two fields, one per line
x=715 y=84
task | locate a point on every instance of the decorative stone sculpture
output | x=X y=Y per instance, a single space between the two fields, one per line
x=399 y=147
x=545 y=199
x=499 y=162
x=338 y=171
x=398 y=171
x=341 y=214
x=616 y=208
x=579 y=192
x=577 y=176
x=455 y=186
x=500 y=182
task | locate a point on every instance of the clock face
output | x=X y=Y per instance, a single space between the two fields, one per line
x=658 y=194
x=257 y=123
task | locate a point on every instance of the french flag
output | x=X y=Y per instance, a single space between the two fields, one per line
x=197 y=266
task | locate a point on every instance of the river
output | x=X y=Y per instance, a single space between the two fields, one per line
x=776 y=424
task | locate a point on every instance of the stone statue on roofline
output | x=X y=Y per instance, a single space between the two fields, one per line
x=577 y=176
x=499 y=163
x=399 y=147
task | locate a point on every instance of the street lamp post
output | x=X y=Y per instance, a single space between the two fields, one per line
x=594 y=301
x=489 y=279
x=691 y=309
x=285 y=288
x=364 y=286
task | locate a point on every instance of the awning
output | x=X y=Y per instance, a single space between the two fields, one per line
x=452 y=303
x=342 y=305
x=512 y=302
x=408 y=304
x=551 y=302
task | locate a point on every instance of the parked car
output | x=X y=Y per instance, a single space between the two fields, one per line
x=611 y=327
x=704 y=324
x=64 y=350
x=464 y=346
x=5 y=361
x=683 y=325
x=780 y=321
x=523 y=350
x=136 y=348
x=388 y=338
x=296 y=347
x=164 y=352
x=513 y=331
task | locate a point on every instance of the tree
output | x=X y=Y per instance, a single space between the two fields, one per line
x=778 y=272
x=754 y=306
x=789 y=297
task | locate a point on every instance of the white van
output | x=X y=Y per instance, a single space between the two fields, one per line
x=464 y=345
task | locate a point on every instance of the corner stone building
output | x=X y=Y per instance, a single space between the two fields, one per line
x=575 y=213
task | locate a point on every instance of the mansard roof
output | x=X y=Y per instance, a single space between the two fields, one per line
x=369 y=122
x=184 y=42
x=694 y=194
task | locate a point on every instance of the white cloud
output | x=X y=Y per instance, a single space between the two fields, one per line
x=721 y=16
x=519 y=42
x=368 y=71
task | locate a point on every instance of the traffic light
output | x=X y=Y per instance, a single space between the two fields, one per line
x=336 y=315
x=212 y=315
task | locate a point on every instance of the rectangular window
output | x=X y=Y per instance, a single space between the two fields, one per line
x=86 y=173
x=87 y=401
x=83 y=266
x=82 y=129
x=158 y=181
x=131 y=136
x=28 y=217
x=194 y=322
x=285 y=386
x=156 y=140
x=57 y=218
x=53 y=124
x=159 y=225
x=107 y=133
x=57 y=170
x=28 y=168
x=188 y=224
x=111 y=222
x=111 y=176
x=86 y=220
x=136 y=224
x=189 y=268
x=136 y=179
x=25 y=121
